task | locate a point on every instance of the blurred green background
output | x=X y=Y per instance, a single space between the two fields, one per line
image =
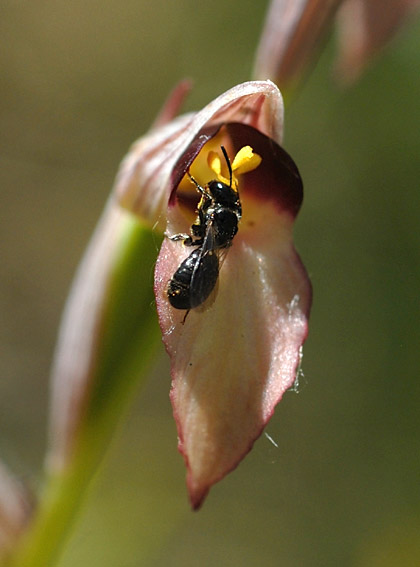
x=79 y=82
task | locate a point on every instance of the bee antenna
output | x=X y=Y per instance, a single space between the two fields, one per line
x=196 y=183
x=229 y=166
x=202 y=190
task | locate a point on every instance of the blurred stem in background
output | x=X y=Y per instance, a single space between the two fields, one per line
x=98 y=367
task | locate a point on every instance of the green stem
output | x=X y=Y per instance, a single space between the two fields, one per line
x=64 y=493
x=128 y=338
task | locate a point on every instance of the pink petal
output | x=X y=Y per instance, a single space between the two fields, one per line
x=290 y=39
x=145 y=180
x=295 y=29
x=232 y=363
x=173 y=104
x=365 y=26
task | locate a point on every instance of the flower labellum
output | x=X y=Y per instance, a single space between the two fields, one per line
x=232 y=194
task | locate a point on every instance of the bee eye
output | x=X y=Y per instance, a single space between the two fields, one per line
x=217 y=188
x=221 y=193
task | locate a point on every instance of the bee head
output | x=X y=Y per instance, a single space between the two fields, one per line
x=222 y=194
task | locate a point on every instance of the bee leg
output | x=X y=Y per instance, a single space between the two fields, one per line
x=198 y=229
x=179 y=237
x=202 y=190
x=185 y=316
x=186 y=238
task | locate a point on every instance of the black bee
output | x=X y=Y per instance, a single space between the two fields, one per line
x=219 y=212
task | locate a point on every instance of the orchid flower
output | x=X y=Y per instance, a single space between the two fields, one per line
x=364 y=28
x=294 y=30
x=232 y=358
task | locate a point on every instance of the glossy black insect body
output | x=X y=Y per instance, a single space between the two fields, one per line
x=219 y=212
x=184 y=292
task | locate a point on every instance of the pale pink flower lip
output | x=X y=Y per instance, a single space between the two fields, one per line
x=232 y=362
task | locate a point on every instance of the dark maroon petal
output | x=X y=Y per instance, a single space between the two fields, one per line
x=276 y=179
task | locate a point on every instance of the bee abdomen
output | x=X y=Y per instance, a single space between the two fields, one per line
x=194 y=280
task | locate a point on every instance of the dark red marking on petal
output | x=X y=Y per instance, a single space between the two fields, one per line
x=277 y=177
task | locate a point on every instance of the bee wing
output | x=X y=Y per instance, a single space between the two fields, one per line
x=206 y=270
x=209 y=243
x=221 y=254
